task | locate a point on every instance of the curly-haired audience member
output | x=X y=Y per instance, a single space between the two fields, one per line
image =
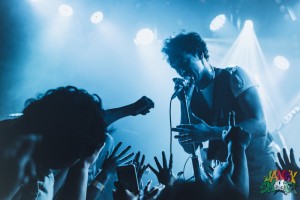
x=71 y=124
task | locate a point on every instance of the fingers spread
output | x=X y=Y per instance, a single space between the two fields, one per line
x=123 y=152
x=116 y=149
x=181 y=130
x=125 y=158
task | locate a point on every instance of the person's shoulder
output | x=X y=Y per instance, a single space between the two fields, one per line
x=235 y=70
x=237 y=73
x=240 y=80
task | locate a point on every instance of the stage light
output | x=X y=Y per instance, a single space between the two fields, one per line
x=248 y=24
x=218 y=22
x=65 y=10
x=96 y=17
x=144 y=37
x=281 y=62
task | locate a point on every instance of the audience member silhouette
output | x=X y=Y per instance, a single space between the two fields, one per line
x=70 y=122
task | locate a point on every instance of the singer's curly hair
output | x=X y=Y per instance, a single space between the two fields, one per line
x=70 y=121
x=190 y=43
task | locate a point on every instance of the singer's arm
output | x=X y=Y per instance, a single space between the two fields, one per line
x=254 y=122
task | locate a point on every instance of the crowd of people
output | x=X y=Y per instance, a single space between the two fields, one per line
x=60 y=147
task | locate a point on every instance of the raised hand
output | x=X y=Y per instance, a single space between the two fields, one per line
x=235 y=134
x=223 y=171
x=141 y=106
x=120 y=193
x=111 y=161
x=164 y=173
x=286 y=162
x=109 y=166
x=153 y=193
x=140 y=167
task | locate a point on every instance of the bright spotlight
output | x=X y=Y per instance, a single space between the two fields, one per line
x=144 y=37
x=217 y=22
x=281 y=62
x=248 y=24
x=65 y=10
x=96 y=17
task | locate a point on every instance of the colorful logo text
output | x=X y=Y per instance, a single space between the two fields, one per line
x=279 y=181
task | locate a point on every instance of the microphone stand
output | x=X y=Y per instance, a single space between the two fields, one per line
x=195 y=161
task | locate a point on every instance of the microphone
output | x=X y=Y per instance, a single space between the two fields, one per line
x=180 y=84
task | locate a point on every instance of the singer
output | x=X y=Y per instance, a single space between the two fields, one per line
x=210 y=96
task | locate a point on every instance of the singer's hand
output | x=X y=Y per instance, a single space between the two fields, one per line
x=194 y=133
x=187 y=89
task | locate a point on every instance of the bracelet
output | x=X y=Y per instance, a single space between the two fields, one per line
x=98 y=185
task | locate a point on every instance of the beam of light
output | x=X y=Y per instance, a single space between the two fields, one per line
x=248 y=25
x=247 y=53
x=144 y=37
x=44 y=9
x=292 y=14
x=281 y=62
x=65 y=10
x=96 y=17
x=218 y=22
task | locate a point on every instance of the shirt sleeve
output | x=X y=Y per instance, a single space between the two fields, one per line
x=240 y=81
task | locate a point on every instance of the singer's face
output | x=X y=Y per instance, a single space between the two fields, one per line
x=188 y=65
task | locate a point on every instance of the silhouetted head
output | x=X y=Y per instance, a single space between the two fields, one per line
x=71 y=124
x=184 y=43
x=188 y=55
